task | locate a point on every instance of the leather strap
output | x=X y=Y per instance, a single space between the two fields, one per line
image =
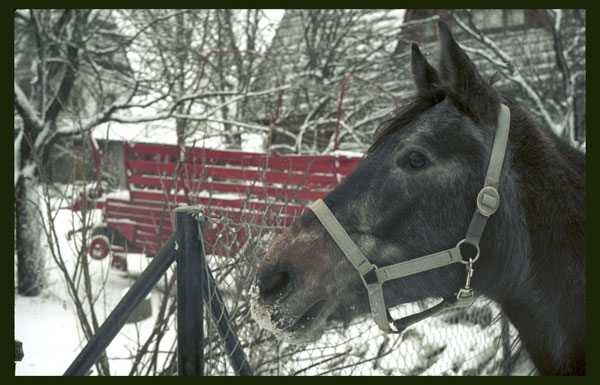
x=488 y=199
x=499 y=148
x=404 y=322
x=343 y=240
x=373 y=277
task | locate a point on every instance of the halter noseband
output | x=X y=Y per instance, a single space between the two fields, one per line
x=374 y=277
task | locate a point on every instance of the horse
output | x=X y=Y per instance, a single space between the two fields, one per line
x=417 y=192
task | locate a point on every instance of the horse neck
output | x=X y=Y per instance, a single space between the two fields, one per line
x=544 y=293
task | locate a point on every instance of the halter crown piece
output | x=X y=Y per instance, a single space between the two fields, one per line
x=373 y=277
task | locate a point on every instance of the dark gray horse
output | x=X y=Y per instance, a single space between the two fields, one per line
x=415 y=193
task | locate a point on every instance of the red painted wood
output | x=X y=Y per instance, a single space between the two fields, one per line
x=154 y=208
x=240 y=190
x=227 y=243
x=302 y=163
x=128 y=230
x=262 y=189
x=166 y=173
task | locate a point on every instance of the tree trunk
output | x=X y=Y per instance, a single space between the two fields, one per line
x=30 y=258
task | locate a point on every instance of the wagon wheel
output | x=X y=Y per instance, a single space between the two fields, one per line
x=103 y=237
x=99 y=247
x=114 y=237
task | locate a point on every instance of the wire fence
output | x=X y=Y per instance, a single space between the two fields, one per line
x=475 y=341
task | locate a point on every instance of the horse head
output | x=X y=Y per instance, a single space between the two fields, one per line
x=413 y=194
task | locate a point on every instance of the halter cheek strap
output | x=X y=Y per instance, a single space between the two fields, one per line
x=373 y=277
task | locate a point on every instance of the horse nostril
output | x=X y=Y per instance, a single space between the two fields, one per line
x=275 y=285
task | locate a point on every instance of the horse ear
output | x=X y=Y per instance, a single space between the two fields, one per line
x=426 y=77
x=464 y=82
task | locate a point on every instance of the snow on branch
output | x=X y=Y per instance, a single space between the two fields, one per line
x=508 y=68
x=131 y=39
x=26 y=110
x=238 y=96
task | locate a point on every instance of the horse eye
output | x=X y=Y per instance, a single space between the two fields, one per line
x=415 y=160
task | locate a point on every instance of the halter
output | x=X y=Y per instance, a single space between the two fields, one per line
x=373 y=277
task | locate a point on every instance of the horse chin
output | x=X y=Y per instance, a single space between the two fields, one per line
x=294 y=323
x=305 y=330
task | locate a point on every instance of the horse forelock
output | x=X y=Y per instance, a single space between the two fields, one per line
x=418 y=105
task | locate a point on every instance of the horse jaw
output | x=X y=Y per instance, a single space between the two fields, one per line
x=303 y=315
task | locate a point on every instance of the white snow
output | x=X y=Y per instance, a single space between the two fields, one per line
x=163 y=132
x=47 y=324
x=49 y=332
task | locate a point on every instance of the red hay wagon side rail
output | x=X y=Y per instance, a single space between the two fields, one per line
x=238 y=189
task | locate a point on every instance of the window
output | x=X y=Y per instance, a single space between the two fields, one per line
x=488 y=18
x=515 y=17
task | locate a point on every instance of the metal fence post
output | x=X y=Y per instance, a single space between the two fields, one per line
x=190 y=274
x=195 y=284
x=115 y=321
x=199 y=284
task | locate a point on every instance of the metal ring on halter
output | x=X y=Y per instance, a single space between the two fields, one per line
x=471 y=260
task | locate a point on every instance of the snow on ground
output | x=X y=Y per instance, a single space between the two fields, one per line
x=47 y=324
x=48 y=330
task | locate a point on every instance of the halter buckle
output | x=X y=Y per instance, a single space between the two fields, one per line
x=488 y=200
x=370 y=277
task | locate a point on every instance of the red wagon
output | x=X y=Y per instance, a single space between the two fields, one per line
x=237 y=188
